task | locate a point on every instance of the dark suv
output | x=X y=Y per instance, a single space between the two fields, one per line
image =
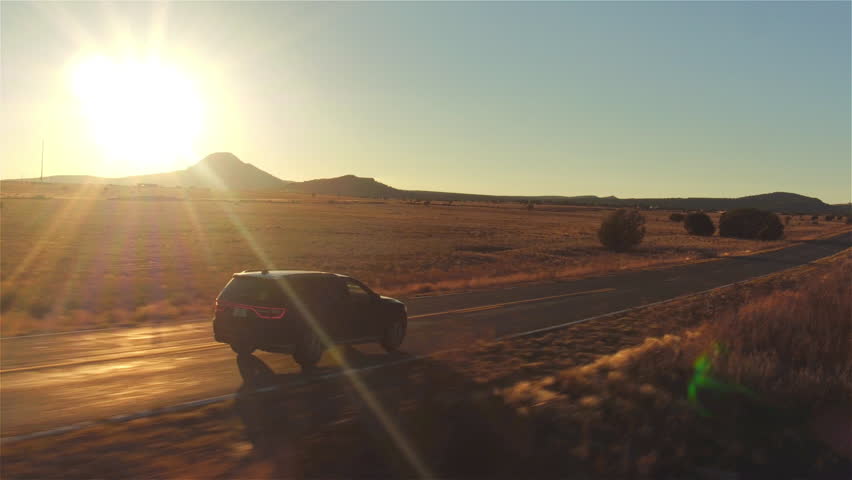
x=302 y=313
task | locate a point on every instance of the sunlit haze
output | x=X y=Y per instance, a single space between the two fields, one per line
x=634 y=100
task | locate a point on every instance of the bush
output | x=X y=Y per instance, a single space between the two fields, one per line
x=39 y=309
x=676 y=217
x=622 y=230
x=751 y=223
x=7 y=299
x=699 y=223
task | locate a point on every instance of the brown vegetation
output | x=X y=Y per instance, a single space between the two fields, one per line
x=622 y=230
x=699 y=223
x=100 y=255
x=751 y=223
x=773 y=383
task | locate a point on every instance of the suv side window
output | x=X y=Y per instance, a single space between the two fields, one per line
x=307 y=290
x=357 y=294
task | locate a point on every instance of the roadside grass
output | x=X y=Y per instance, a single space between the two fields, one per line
x=773 y=387
x=604 y=399
x=128 y=262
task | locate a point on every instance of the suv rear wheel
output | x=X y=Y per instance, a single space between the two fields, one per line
x=309 y=351
x=242 y=348
x=394 y=334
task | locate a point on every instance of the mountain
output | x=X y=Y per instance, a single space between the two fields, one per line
x=224 y=170
x=347 y=185
x=776 y=201
x=221 y=171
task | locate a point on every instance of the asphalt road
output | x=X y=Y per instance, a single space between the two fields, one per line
x=51 y=381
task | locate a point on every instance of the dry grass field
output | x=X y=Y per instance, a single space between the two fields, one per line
x=763 y=390
x=96 y=256
x=595 y=400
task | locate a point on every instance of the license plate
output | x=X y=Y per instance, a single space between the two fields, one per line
x=240 y=312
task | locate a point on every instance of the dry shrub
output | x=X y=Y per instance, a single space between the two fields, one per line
x=699 y=223
x=7 y=299
x=155 y=311
x=622 y=230
x=82 y=318
x=115 y=317
x=751 y=223
x=39 y=308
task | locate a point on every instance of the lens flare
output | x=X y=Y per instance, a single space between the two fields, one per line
x=701 y=380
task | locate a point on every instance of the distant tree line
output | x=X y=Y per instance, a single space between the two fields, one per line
x=623 y=229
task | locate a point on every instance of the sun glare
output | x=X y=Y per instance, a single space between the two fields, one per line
x=143 y=113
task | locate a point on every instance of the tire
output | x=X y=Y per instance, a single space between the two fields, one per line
x=243 y=348
x=309 y=351
x=394 y=334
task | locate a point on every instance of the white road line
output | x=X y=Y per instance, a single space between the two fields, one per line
x=60 y=333
x=52 y=334
x=626 y=310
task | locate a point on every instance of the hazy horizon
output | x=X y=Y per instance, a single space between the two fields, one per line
x=627 y=99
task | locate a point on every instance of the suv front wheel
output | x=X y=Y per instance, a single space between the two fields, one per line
x=394 y=334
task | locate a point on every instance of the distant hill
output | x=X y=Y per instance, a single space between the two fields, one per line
x=347 y=185
x=224 y=170
x=843 y=208
x=777 y=202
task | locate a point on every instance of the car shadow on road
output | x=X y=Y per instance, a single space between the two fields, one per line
x=418 y=418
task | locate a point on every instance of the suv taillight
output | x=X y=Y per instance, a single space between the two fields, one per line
x=268 y=313
x=218 y=308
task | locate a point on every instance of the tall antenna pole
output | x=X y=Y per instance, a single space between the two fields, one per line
x=41 y=177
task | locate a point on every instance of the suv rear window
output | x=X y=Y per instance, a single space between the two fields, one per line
x=255 y=291
x=312 y=291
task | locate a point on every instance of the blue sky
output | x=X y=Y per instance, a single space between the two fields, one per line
x=639 y=99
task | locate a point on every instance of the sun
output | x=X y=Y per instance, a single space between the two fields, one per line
x=146 y=114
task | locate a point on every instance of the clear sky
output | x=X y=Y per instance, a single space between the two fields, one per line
x=639 y=99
